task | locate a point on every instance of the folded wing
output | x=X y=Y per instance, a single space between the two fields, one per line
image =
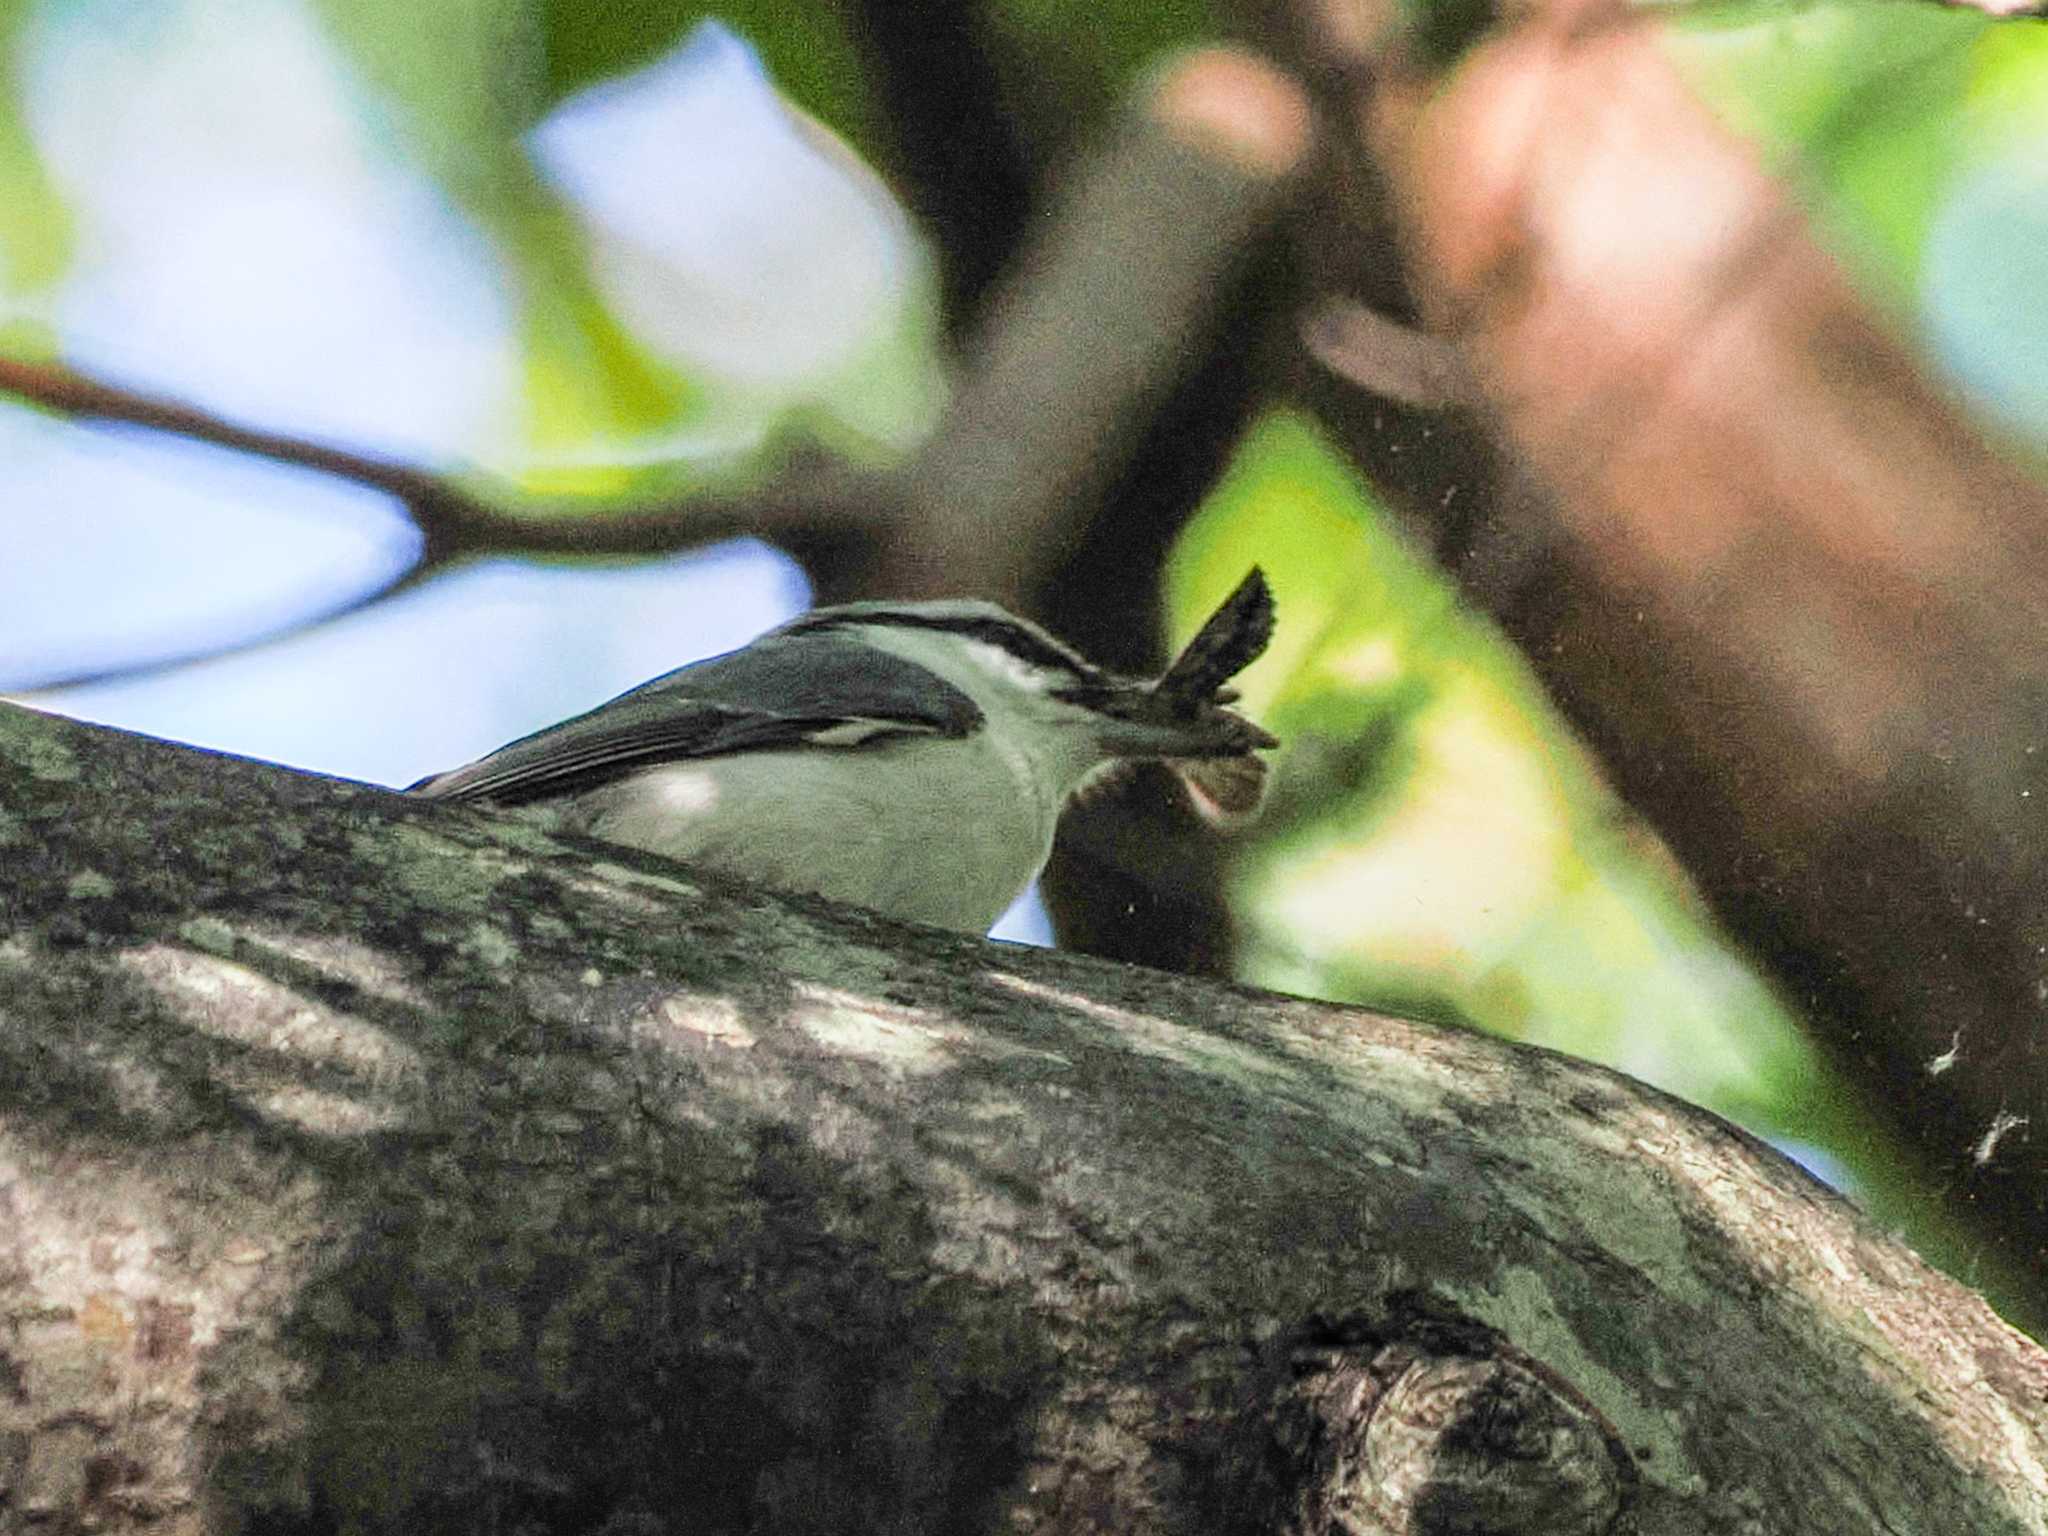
x=771 y=695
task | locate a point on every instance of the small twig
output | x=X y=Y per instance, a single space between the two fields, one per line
x=453 y=522
x=213 y=650
x=74 y=394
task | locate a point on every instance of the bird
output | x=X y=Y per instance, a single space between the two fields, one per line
x=912 y=758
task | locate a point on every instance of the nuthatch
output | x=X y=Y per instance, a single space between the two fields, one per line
x=913 y=758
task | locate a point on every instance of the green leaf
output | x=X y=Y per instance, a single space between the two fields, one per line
x=36 y=227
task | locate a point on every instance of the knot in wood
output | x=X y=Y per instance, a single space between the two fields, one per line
x=1409 y=1443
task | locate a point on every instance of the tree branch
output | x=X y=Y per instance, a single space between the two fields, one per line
x=376 y=1163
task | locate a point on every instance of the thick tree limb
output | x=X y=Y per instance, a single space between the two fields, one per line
x=367 y=1162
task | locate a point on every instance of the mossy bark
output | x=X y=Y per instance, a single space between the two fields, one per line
x=372 y=1164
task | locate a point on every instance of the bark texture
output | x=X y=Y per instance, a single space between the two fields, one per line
x=373 y=1164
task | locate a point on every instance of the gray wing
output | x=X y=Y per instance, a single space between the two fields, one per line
x=775 y=693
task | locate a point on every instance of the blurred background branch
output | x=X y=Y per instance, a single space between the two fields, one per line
x=1784 y=578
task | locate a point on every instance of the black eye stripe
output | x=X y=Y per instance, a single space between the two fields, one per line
x=1026 y=645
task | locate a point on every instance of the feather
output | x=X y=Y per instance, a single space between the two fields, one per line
x=776 y=699
x=1236 y=633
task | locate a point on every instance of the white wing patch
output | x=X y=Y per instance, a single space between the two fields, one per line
x=851 y=733
x=998 y=662
x=684 y=791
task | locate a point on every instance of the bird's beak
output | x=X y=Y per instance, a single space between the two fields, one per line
x=1211 y=750
x=1182 y=716
x=1135 y=719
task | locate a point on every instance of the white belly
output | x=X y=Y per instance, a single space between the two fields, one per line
x=941 y=832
